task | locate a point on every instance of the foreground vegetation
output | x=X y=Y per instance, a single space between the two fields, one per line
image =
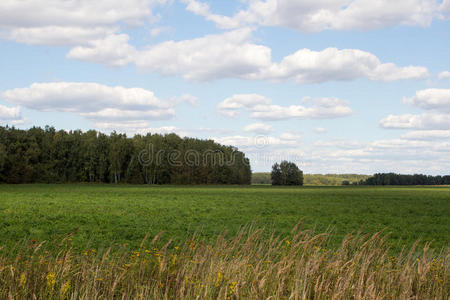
x=104 y=215
x=249 y=265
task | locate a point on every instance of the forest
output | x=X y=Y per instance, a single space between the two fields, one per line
x=401 y=179
x=45 y=155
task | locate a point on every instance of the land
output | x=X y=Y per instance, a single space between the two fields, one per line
x=88 y=241
x=104 y=215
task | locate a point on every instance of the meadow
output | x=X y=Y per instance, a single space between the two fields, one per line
x=223 y=242
x=103 y=215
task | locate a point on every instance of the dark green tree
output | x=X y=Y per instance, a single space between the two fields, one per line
x=276 y=175
x=286 y=173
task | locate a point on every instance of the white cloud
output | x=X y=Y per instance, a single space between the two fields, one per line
x=55 y=22
x=186 y=98
x=426 y=120
x=33 y=13
x=437 y=116
x=143 y=127
x=259 y=128
x=431 y=99
x=314 y=16
x=253 y=143
x=207 y=58
x=427 y=135
x=308 y=66
x=113 y=50
x=154 y=32
x=11 y=115
x=445 y=7
x=121 y=114
x=320 y=130
x=92 y=100
x=337 y=143
x=92 y=28
x=444 y=74
x=230 y=107
x=59 y=35
x=261 y=108
x=287 y=136
x=234 y=55
x=399 y=144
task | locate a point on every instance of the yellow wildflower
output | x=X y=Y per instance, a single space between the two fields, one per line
x=23 y=280
x=51 y=280
x=65 y=287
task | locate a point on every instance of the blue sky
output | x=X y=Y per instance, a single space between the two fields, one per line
x=338 y=86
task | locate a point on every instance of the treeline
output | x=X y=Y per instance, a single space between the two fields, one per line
x=50 y=156
x=400 y=179
x=315 y=179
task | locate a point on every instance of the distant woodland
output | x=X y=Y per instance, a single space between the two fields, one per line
x=314 y=179
x=356 y=179
x=45 y=155
x=400 y=179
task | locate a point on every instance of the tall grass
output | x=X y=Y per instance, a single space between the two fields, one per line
x=246 y=266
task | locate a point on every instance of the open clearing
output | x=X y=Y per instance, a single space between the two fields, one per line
x=118 y=214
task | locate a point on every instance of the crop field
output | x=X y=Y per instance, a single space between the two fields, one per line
x=104 y=215
x=223 y=242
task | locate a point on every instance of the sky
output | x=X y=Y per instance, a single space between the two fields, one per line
x=337 y=86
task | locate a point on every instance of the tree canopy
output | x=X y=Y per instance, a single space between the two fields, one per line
x=50 y=156
x=401 y=179
x=286 y=173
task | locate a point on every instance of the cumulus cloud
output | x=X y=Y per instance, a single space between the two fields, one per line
x=230 y=54
x=11 y=115
x=315 y=16
x=82 y=12
x=288 y=136
x=436 y=102
x=444 y=75
x=143 y=128
x=186 y=98
x=431 y=99
x=445 y=8
x=59 y=35
x=428 y=120
x=92 y=29
x=233 y=55
x=320 y=130
x=113 y=50
x=427 y=135
x=261 y=107
x=50 y=22
x=231 y=106
x=308 y=66
x=259 y=128
x=154 y=32
x=92 y=100
x=256 y=142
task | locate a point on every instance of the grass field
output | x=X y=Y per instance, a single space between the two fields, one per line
x=109 y=258
x=107 y=214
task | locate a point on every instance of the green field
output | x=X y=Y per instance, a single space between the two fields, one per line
x=117 y=214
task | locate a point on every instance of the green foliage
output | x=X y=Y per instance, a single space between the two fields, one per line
x=50 y=156
x=286 y=173
x=314 y=179
x=400 y=179
x=107 y=214
x=261 y=178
